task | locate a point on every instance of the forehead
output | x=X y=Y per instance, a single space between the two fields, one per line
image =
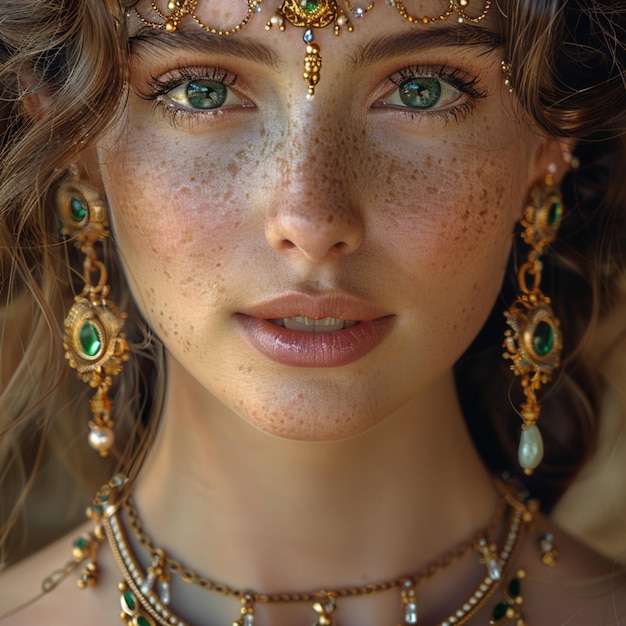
x=231 y=16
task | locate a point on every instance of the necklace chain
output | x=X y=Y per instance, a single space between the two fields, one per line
x=142 y=605
x=189 y=576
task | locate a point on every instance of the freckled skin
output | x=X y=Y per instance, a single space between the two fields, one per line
x=413 y=214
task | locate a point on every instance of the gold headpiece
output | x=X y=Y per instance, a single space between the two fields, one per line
x=308 y=14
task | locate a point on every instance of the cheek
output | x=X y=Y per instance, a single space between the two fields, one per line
x=177 y=221
x=446 y=222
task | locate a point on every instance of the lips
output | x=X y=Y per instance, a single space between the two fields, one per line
x=310 y=325
x=322 y=330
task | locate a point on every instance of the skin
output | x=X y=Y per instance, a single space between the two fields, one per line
x=364 y=471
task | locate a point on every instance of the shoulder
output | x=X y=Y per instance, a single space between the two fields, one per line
x=583 y=588
x=22 y=602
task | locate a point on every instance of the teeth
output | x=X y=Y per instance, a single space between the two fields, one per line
x=307 y=324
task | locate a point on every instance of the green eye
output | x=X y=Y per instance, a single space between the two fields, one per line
x=420 y=93
x=424 y=92
x=203 y=94
x=206 y=94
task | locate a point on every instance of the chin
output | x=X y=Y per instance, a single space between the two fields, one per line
x=311 y=421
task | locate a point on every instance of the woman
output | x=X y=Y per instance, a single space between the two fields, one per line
x=307 y=264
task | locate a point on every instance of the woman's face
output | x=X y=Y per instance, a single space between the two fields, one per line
x=383 y=208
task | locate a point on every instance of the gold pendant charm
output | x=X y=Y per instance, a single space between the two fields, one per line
x=409 y=601
x=310 y=14
x=247 y=611
x=325 y=608
x=95 y=345
x=489 y=558
x=533 y=340
x=549 y=554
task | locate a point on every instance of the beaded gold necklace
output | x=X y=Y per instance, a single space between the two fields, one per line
x=145 y=595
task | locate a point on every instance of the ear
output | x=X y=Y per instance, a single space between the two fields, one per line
x=552 y=154
x=35 y=100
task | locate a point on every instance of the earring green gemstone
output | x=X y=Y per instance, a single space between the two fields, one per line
x=78 y=209
x=555 y=212
x=543 y=339
x=89 y=339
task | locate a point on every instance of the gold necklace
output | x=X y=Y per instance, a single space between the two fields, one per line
x=145 y=597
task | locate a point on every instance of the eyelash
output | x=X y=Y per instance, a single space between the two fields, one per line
x=456 y=77
x=465 y=83
x=160 y=86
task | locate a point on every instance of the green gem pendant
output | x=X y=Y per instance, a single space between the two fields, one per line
x=509 y=608
x=500 y=611
x=555 y=212
x=543 y=339
x=78 y=209
x=90 y=339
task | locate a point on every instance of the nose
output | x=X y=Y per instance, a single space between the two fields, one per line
x=314 y=212
x=313 y=232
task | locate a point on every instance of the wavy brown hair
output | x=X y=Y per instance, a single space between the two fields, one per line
x=63 y=70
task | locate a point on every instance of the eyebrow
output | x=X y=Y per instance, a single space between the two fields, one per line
x=461 y=35
x=197 y=39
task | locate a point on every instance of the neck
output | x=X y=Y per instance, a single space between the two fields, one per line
x=274 y=515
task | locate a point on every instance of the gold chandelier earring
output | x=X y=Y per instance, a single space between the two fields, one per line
x=533 y=340
x=94 y=341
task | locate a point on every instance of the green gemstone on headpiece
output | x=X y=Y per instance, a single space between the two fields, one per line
x=78 y=210
x=555 y=212
x=89 y=339
x=142 y=621
x=311 y=6
x=543 y=338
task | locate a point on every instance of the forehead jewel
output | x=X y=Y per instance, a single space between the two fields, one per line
x=308 y=14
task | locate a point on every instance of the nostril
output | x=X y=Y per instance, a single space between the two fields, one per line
x=286 y=244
